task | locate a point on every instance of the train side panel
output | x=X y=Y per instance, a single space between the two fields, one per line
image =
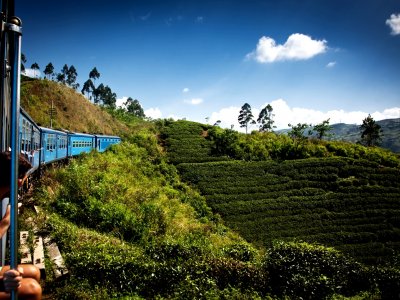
x=79 y=143
x=29 y=134
x=105 y=141
x=54 y=145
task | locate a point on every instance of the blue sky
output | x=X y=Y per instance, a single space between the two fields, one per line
x=311 y=60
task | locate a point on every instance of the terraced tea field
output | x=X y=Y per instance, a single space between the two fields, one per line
x=351 y=204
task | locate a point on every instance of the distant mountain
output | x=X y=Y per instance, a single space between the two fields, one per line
x=351 y=133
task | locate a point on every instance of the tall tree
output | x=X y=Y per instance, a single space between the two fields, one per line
x=71 y=76
x=35 y=67
x=104 y=95
x=109 y=98
x=49 y=70
x=322 y=129
x=134 y=107
x=88 y=87
x=265 y=119
x=98 y=93
x=62 y=77
x=371 y=133
x=94 y=74
x=245 y=116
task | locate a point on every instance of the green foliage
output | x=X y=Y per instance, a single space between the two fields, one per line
x=341 y=202
x=371 y=133
x=194 y=142
x=322 y=129
x=304 y=271
x=186 y=142
x=134 y=107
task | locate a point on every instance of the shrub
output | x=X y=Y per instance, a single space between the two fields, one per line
x=308 y=271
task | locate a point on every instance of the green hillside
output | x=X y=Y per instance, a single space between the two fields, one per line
x=132 y=225
x=349 y=197
x=351 y=133
x=349 y=204
x=390 y=131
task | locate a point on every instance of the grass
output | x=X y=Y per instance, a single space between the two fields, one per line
x=130 y=228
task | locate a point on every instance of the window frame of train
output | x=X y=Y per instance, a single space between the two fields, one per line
x=51 y=141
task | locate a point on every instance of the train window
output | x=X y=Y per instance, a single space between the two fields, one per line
x=51 y=142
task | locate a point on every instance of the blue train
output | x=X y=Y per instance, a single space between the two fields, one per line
x=20 y=133
x=43 y=145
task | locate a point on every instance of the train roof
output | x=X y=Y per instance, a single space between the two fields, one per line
x=107 y=136
x=44 y=129
x=77 y=134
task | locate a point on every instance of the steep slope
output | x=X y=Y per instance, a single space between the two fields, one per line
x=72 y=110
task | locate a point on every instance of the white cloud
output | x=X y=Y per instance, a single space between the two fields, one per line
x=120 y=101
x=154 y=113
x=228 y=116
x=185 y=90
x=331 y=64
x=32 y=73
x=194 y=101
x=297 y=47
x=284 y=114
x=394 y=23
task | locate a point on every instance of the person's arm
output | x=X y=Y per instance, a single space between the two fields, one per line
x=5 y=222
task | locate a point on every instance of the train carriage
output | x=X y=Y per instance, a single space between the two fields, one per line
x=29 y=138
x=79 y=143
x=54 y=145
x=105 y=141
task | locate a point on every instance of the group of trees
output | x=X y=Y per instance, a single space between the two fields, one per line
x=371 y=132
x=68 y=75
x=264 y=119
x=100 y=94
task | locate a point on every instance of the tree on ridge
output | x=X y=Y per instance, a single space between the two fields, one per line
x=265 y=119
x=35 y=67
x=245 y=116
x=49 y=70
x=322 y=129
x=94 y=74
x=371 y=133
x=134 y=107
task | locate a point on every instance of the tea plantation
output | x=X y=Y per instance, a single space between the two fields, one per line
x=350 y=204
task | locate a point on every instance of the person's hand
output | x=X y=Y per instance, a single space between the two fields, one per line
x=12 y=279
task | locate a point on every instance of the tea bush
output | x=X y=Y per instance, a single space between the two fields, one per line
x=305 y=271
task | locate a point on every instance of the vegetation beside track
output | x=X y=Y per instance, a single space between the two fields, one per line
x=132 y=225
